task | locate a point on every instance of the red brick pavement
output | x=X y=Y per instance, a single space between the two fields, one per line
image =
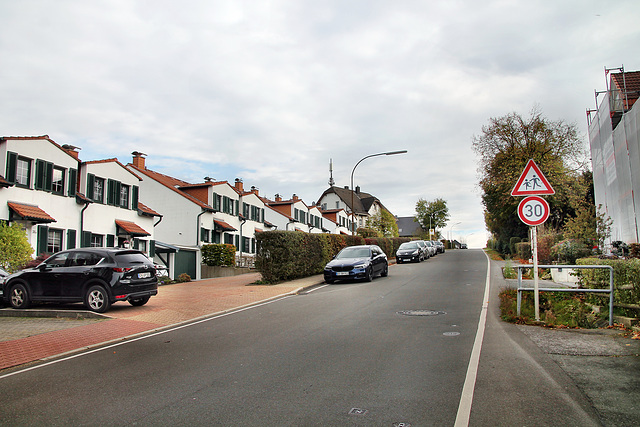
x=174 y=304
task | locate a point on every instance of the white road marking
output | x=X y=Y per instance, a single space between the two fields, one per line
x=466 y=399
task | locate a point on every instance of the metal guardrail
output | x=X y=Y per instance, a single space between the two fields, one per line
x=574 y=267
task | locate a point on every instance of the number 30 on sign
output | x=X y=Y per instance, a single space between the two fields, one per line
x=533 y=210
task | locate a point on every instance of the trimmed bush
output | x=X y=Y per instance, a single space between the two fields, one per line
x=523 y=250
x=289 y=255
x=219 y=255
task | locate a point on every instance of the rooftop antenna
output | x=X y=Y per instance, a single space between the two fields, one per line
x=331 y=181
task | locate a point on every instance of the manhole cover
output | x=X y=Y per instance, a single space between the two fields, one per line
x=421 y=312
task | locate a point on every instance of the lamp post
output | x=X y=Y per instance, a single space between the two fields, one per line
x=451 y=233
x=388 y=153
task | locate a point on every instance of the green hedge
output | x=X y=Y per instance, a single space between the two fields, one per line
x=626 y=278
x=219 y=254
x=289 y=255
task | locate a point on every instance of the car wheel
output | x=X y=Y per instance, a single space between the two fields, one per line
x=19 y=297
x=385 y=271
x=369 y=274
x=97 y=299
x=137 y=302
x=329 y=281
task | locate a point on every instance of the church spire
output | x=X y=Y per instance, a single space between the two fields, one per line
x=331 y=181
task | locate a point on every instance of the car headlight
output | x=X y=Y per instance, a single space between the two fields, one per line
x=361 y=265
x=416 y=252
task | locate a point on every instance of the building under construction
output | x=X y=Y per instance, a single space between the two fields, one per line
x=615 y=152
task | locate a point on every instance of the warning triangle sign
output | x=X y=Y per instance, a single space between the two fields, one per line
x=532 y=182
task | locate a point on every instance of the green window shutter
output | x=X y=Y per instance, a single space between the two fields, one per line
x=214 y=202
x=43 y=239
x=152 y=248
x=48 y=176
x=12 y=162
x=245 y=210
x=71 y=239
x=136 y=243
x=237 y=211
x=110 y=191
x=135 y=190
x=73 y=182
x=86 y=239
x=40 y=172
x=236 y=239
x=91 y=178
x=111 y=240
x=261 y=214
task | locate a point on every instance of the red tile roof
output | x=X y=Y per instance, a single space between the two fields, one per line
x=631 y=82
x=30 y=212
x=147 y=210
x=131 y=228
x=172 y=183
x=223 y=225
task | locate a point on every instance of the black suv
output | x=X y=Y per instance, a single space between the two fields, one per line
x=96 y=276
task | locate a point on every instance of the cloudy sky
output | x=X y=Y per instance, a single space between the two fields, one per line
x=269 y=91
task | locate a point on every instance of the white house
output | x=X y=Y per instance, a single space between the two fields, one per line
x=39 y=191
x=113 y=218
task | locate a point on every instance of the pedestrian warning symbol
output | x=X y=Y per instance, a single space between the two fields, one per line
x=532 y=182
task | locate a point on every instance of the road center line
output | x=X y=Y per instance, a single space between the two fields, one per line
x=466 y=399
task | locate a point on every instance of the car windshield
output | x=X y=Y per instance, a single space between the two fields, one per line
x=353 y=253
x=409 y=245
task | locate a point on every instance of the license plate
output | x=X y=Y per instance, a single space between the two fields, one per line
x=144 y=275
x=342 y=273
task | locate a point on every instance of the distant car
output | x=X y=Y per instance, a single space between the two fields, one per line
x=463 y=246
x=161 y=270
x=98 y=277
x=357 y=262
x=408 y=252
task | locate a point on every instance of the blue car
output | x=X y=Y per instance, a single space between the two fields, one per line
x=357 y=262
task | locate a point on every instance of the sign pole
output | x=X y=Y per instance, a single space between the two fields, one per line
x=534 y=239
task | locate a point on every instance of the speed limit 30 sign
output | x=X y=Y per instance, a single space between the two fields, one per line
x=533 y=210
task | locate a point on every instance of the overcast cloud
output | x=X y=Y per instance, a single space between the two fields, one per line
x=269 y=91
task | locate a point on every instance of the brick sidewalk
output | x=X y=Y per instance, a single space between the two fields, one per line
x=174 y=304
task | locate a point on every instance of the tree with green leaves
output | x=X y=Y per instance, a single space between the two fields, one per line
x=432 y=214
x=505 y=146
x=384 y=222
x=15 y=250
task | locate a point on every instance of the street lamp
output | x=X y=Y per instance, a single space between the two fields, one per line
x=389 y=153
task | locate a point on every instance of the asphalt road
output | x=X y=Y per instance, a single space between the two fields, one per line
x=395 y=351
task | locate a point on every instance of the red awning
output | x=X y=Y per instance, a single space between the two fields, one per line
x=223 y=226
x=131 y=228
x=30 y=212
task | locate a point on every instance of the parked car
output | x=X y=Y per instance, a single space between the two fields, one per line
x=439 y=246
x=423 y=248
x=408 y=252
x=98 y=277
x=357 y=262
x=431 y=249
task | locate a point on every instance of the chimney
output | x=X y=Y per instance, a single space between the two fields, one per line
x=71 y=150
x=239 y=185
x=138 y=160
x=346 y=187
x=254 y=190
x=278 y=198
x=295 y=198
x=357 y=189
x=208 y=179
